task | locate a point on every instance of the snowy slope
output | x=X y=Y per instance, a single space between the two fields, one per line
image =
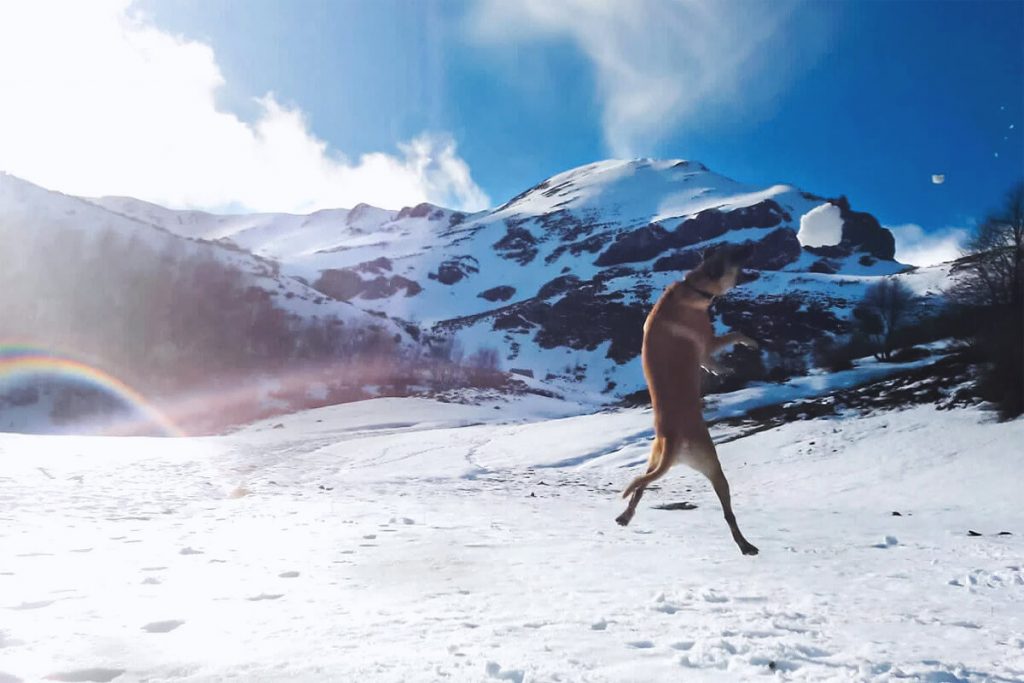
x=29 y=210
x=408 y=540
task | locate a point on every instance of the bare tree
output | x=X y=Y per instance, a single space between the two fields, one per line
x=991 y=273
x=889 y=301
x=485 y=367
x=445 y=356
x=990 y=283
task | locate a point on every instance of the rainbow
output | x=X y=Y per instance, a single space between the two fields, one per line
x=20 y=362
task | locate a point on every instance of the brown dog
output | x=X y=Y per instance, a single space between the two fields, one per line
x=678 y=340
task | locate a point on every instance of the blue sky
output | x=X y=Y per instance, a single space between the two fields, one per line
x=868 y=99
x=294 y=106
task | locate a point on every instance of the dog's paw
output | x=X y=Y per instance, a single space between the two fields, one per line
x=748 y=342
x=713 y=367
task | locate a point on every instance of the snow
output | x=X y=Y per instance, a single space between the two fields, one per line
x=817 y=382
x=411 y=540
x=822 y=226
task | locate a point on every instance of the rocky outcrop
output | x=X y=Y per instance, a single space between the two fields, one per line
x=861 y=233
x=775 y=251
x=636 y=246
x=499 y=293
x=647 y=242
x=456 y=269
x=584 y=319
x=780 y=322
x=518 y=244
x=345 y=284
x=559 y=285
x=680 y=260
x=712 y=223
x=377 y=265
x=424 y=210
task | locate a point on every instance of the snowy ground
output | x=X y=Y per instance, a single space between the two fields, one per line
x=407 y=540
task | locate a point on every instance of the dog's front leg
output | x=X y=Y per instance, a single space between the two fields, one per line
x=731 y=339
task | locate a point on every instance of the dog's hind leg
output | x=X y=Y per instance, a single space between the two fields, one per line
x=706 y=461
x=658 y=464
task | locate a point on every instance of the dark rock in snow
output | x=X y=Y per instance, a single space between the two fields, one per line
x=499 y=293
x=454 y=270
x=517 y=245
x=559 y=285
x=641 y=244
x=823 y=266
x=345 y=284
x=681 y=260
x=775 y=251
x=423 y=210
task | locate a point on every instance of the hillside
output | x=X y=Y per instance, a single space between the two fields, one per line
x=169 y=315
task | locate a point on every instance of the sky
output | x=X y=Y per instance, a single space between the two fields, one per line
x=260 y=105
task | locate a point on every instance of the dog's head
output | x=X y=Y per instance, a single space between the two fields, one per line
x=720 y=270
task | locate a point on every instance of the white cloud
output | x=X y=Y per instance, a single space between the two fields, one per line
x=822 y=226
x=657 y=62
x=97 y=100
x=918 y=247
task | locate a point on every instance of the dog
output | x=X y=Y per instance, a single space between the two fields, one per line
x=679 y=340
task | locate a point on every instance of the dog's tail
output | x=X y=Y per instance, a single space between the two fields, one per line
x=632 y=487
x=656 y=467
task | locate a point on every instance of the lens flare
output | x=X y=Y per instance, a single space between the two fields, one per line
x=20 y=362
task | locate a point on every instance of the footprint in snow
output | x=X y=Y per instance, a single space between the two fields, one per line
x=640 y=644
x=288 y=575
x=265 y=596
x=162 y=626
x=494 y=670
x=32 y=605
x=188 y=550
x=86 y=675
x=887 y=542
x=599 y=625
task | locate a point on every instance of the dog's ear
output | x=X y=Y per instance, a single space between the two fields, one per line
x=741 y=253
x=713 y=265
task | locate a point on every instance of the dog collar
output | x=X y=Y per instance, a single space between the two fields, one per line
x=707 y=295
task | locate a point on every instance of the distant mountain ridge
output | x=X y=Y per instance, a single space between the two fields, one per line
x=557 y=280
x=559 y=277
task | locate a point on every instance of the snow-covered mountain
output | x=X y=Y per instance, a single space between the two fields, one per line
x=123 y=300
x=560 y=277
x=31 y=213
x=555 y=282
